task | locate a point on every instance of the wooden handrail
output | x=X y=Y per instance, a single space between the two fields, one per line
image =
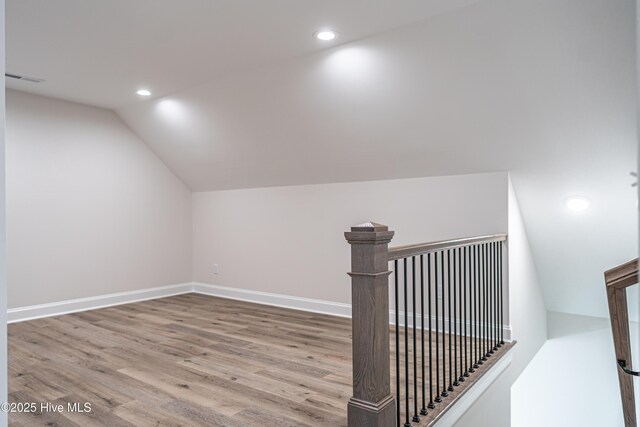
x=623 y=275
x=405 y=251
x=617 y=280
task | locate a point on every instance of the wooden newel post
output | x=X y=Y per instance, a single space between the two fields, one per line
x=372 y=403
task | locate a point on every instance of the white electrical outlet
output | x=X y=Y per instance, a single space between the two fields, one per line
x=215 y=269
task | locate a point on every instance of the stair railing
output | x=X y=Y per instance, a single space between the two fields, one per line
x=617 y=280
x=449 y=303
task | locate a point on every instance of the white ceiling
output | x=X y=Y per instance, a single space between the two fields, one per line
x=100 y=52
x=544 y=89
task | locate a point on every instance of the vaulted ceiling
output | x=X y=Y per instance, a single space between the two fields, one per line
x=245 y=97
x=100 y=52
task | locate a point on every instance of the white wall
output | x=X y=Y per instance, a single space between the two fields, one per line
x=528 y=315
x=526 y=301
x=90 y=209
x=289 y=240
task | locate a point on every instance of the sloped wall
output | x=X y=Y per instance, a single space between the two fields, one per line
x=289 y=240
x=91 y=210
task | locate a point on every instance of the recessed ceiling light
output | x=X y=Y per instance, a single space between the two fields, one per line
x=326 y=35
x=578 y=203
x=143 y=92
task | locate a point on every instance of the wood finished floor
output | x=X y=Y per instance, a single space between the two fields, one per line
x=187 y=360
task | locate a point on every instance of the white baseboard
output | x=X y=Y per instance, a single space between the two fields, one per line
x=278 y=300
x=32 y=312
x=457 y=410
x=317 y=306
x=91 y=303
x=443 y=324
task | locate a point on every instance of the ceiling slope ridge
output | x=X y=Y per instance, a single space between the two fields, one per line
x=70 y=101
x=513 y=202
x=150 y=148
x=358 y=181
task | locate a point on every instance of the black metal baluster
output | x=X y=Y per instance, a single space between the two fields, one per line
x=472 y=308
x=395 y=265
x=491 y=298
x=497 y=293
x=496 y=332
x=480 y=308
x=483 y=290
x=489 y=302
x=431 y=405
x=406 y=347
x=444 y=329
x=496 y=324
x=501 y=303
x=460 y=316
x=467 y=309
x=476 y=312
x=449 y=317
x=415 y=418
x=481 y=305
x=435 y=264
x=423 y=410
x=455 y=324
x=487 y=336
x=489 y=305
x=485 y=285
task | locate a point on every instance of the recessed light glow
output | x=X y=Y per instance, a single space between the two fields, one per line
x=143 y=92
x=326 y=35
x=578 y=203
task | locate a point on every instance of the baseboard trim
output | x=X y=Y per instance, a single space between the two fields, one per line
x=277 y=300
x=443 y=324
x=32 y=312
x=318 y=306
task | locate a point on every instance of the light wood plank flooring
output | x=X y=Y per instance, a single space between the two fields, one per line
x=187 y=360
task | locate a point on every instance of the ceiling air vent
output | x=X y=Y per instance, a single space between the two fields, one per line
x=25 y=78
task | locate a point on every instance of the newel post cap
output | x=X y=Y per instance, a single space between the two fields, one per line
x=369 y=232
x=370 y=226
